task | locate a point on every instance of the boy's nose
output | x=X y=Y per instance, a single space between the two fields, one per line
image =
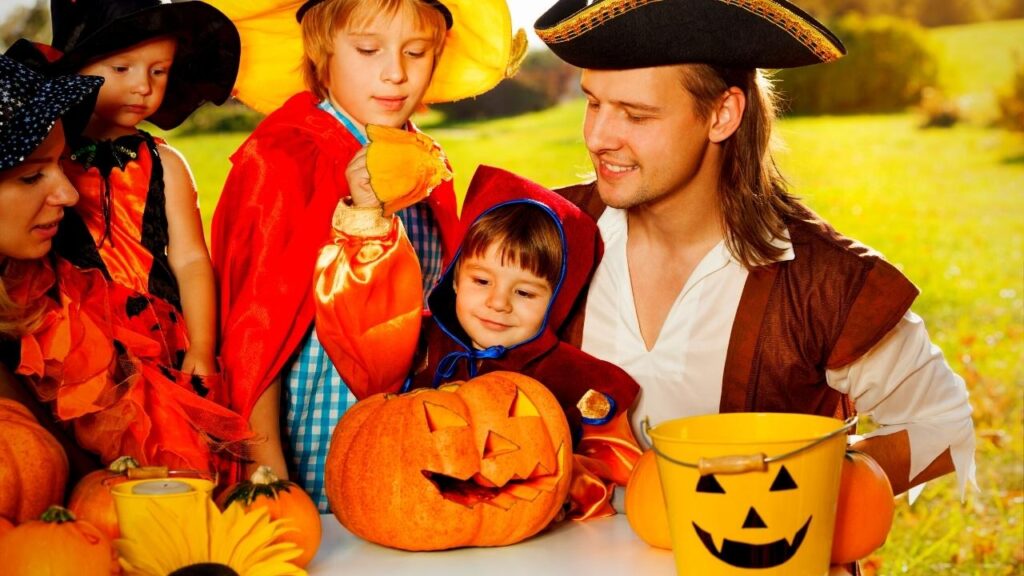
x=498 y=300
x=394 y=70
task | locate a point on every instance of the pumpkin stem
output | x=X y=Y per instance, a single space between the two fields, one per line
x=57 y=515
x=263 y=475
x=123 y=464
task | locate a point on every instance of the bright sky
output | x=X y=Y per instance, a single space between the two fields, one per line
x=524 y=13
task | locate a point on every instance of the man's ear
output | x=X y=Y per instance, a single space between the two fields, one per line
x=726 y=117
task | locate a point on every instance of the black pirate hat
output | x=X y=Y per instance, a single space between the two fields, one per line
x=620 y=34
x=30 y=104
x=205 y=64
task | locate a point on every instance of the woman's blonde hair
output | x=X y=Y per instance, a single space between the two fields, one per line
x=16 y=320
x=321 y=22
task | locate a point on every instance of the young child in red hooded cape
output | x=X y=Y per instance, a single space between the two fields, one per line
x=520 y=269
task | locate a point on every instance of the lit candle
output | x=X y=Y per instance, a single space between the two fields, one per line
x=176 y=501
x=161 y=487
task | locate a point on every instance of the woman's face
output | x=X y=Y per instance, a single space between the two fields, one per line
x=33 y=195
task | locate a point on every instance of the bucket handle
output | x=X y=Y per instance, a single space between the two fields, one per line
x=739 y=464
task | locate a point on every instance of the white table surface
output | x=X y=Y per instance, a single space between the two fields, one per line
x=592 y=548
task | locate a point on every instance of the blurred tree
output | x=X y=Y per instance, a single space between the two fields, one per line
x=1011 y=101
x=890 y=62
x=543 y=80
x=32 y=22
x=926 y=12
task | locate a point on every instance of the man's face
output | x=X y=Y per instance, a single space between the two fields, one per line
x=645 y=139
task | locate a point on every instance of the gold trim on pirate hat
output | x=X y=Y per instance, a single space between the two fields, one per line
x=479 y=52
x=620 y=34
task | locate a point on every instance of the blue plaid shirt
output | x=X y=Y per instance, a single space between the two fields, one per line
x=315 y=396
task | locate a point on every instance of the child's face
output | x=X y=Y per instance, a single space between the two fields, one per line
x=136 y=80
x=499 y=304
x=380 y=69
x=33 y=195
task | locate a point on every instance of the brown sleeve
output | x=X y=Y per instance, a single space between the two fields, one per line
x=883 y=299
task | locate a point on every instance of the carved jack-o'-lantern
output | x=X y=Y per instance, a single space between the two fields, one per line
x=480 y=463
x=755 y=543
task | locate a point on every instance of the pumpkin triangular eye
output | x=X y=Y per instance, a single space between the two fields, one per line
x=783 y=481
x=440 y=417
x=709 y=484
x=522 y=406
x=496 y=445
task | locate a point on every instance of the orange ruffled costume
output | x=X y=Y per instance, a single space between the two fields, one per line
x=368 y=301
x=109 y=379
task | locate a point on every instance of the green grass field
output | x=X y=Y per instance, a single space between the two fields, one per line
x=945 y=205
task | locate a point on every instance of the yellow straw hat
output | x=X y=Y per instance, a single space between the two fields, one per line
x=479 y=50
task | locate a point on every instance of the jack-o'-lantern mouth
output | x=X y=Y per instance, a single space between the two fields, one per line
x=476 y=489
x=745 y=555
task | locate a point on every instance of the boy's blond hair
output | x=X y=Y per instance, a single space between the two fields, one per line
x=324 y=20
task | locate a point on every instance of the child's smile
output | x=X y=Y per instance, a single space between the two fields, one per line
x=498 y=303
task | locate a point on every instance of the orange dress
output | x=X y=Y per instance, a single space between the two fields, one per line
x=108 y=379
x=122 y=205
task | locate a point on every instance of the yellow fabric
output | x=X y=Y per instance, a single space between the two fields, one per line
x=479 y=50
x=404 y=166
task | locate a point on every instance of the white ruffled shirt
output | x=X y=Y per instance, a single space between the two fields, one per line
x=903 y=383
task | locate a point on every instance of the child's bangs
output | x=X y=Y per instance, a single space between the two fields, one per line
x=525 y=237
x=423 y=16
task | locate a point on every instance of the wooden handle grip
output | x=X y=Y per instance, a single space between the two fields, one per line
x=731 y=464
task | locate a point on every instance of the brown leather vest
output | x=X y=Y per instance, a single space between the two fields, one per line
x=822 y=310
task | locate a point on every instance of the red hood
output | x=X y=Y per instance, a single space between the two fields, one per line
x=492 y=187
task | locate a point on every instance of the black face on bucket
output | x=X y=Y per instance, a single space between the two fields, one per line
x=748 y=555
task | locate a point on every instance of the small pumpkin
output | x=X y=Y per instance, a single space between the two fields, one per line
x=486 y=462
x=33 y=465
x=56 y=544
x=645 y=505
x=404 y=166
x=864 y=509
x=92 y=500
x=285 y=501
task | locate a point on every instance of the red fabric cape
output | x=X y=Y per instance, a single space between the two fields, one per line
x=271 y=221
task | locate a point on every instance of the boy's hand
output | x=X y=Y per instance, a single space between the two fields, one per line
x=358 y=177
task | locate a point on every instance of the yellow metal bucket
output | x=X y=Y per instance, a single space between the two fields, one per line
x=751 y=493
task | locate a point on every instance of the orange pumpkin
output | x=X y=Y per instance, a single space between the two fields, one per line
x=404 y=166
x=486 y=462
x=33 y=466
x=56 y=544
x=864 y=510
x=284 y=500
x=645 y=505
x=92 y=500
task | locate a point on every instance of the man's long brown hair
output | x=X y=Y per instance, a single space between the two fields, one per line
x=752 y=193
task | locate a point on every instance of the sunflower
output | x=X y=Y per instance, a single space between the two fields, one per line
x=230 y=543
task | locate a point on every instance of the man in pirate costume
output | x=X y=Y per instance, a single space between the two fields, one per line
x=719 y=291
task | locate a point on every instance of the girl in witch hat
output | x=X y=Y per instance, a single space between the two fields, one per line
x=65 y=331
x=139 y=216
